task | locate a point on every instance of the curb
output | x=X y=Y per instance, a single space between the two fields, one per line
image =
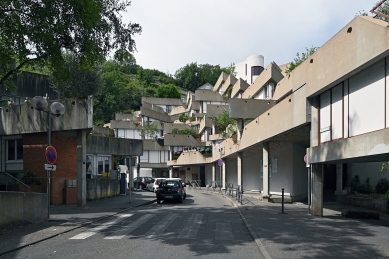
x=74 y=228
x=263 y=252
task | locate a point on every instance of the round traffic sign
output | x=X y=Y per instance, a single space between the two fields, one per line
x=51 y=154
x=220 y=162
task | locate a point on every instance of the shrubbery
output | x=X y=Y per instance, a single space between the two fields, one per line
x=382 y=186
x=357 y=186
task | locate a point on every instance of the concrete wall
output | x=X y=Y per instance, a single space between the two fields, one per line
x=300 y=174
x=283 y=178
x=208 y=173
x=101 y=188
x=115 y=146
x=248 y=108
x=17 y=208
x=232 y=171
x=251 y=172
x=365 y=170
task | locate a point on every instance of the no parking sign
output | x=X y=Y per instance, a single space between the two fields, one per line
x=51 y=154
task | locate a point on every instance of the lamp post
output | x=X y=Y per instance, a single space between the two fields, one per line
x=56 y=109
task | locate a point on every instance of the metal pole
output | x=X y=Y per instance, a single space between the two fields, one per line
x=48 y=171
x=130 y=180
x=282 y=200
x=309 y=190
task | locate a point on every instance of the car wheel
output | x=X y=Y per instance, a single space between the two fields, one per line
x=158 y=201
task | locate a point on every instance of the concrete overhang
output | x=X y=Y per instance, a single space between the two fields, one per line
x=23 y=119
x=222 y=78
x=358 y=45
x=119 y=124
x=114 y=146
x=208 y=96
x=190 y=158
x=162 y=101
x=182 y=140
x=370 y=147
x=168 y=127
x=248 y=108
x=240 y=86
x=149 y=144
x=214 y=110
x=161 y=116
x=271 y=73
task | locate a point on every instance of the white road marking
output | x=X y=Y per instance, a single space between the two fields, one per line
x=223 y=232
x=103 y=226
x=190 y=230
x=128 y=229
x=161 y=226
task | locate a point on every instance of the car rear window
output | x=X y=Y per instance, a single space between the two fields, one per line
x=170 y=183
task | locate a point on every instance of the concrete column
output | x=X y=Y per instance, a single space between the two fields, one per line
x=317 y=190
x=314 y=109
x=224 y=174
x=239 y=168
x=339 y=179
x=213 y=172
x=81 y=174
x=266 y=179
x=170 y=159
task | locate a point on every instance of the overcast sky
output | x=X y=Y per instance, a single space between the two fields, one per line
x=178 y=32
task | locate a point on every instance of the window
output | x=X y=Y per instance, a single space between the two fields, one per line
x=104 y=164
x=15 y=149
x=121 y=133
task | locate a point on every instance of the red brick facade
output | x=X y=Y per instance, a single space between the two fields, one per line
x=65 y=142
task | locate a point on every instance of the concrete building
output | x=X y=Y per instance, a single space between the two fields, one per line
x=332 y=110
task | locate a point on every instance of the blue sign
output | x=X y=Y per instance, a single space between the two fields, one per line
x=169 y=167
x=220 y=162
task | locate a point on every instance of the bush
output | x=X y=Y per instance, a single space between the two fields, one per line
x=185 y=132
x=31 y=178
x=382 y=186
x=356 y=186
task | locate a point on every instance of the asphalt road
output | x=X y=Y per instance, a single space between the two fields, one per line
x=204 y=226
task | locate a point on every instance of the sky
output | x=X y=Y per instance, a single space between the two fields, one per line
x=220 y=32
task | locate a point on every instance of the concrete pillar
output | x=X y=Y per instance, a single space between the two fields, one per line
x=81 y=174
x=171 y=158
x=266 y=180
x=213 y=172
x=224 y=174
x=317 y=190
x=314 y=109
x=239 y=168
x=339 y=179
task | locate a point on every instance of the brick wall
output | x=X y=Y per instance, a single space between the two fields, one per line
x=34 y=147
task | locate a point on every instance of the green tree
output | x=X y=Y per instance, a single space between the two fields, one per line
x=168 y=91
x=37 y=32
x=225 y=124
x=82 y=82
x=192 y=75
x=183 y=117
x=300 y=59
x=148 y=131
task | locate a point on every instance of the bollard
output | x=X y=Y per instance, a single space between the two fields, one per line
x=282 y=200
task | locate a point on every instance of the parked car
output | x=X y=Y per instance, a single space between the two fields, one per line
x=141 y=182
x=173 y=189
x=154 y=184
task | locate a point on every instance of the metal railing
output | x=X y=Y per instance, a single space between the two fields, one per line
x=214 y=185
x=195 y=184
x=15 y=179
x=229 y=189
x=239 y=194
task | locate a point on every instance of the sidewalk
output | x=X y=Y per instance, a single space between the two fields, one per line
x=64 y=218
x=296 y=234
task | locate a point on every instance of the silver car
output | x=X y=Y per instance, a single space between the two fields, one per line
x=154 y=185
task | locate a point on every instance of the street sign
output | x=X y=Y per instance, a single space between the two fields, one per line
x=50 y=167
x=51 y=154
x=169 y=167
x=220 y=162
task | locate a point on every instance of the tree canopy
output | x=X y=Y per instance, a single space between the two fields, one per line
x=168 y=91
x=40 y=31
x=192 y=76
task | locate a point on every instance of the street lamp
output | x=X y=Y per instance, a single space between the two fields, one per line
x=56 y=109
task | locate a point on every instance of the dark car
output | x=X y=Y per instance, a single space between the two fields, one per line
x=141 y=182
x=171 y=189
